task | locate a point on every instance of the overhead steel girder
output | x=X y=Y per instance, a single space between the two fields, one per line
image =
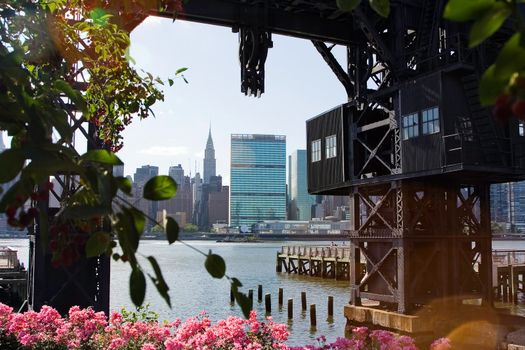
x=339 y=72
x=280 y=17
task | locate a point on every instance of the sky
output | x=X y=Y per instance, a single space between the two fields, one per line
x=298 y=86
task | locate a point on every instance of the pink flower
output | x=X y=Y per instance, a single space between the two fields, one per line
x=147 y=346
x=441 y=344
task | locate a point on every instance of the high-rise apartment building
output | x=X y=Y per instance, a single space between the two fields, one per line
x=141 y=176
x=257 y=179
x=209 y=160
x=301 y=201
x=177 y=174
x=507 y=202
x=144 y=173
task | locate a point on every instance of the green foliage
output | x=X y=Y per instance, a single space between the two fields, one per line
x=215 y=265
x=488 y=23
x=160 y=188
x=487 y=16
x=190 y=228
x=172 y=230
x=137 y=286
x=381 y=7
x=97 y=244
x=141 y=314
x=101 y=156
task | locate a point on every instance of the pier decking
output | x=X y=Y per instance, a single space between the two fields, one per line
x=319 y=261
x=13 y=278
x=508 y=268
x=333 y=262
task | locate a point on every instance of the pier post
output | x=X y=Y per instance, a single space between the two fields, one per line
x=313 y=316
x=330 y=306
x=280 y=297
x=232 y=297
x=303 y=301
x=268 y=303
x=259 y=293
x=290 y=309
x=250 y=296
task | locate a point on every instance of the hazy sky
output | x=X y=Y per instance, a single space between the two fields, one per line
x=299 y=85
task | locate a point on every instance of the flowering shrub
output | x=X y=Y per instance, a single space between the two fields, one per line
x=88 y=330
x=85 y=329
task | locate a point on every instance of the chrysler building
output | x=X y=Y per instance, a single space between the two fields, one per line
x=209 y=159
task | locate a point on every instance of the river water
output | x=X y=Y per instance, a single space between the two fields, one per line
x=193 y=290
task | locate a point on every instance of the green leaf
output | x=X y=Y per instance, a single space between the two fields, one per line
x=85 y=211
x=139 y=220
x=347 y=5
x=382 y=7
x=74 y=95
x=125 y=229
x=244 y=302
x=466 y=10
x=511 y=58
x=181 y=70
x=97 y=244
x=488 y=23
x=99 y=16
x=124 y=184
x=159 y=281
x=101 y=156
x=11 y=162
x=491 y=86
x=170 y=81
x=160 y=187
x=172 y=230
x=137 y=286
x=215 y=265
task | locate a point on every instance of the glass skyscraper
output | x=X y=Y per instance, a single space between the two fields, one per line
x=300 y=201
x=507 y=202
x=257 y=179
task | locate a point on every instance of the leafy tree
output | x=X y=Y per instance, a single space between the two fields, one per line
x=190 y=228
x=45 y=49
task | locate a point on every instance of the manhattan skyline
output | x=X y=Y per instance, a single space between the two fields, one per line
x=299 y=85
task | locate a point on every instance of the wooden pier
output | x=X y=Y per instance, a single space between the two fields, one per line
x=13 y=279
x=319 y=261
x=508 y=268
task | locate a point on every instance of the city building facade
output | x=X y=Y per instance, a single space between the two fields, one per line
x=177 y=173
x=209 y=163
x=300 y=201
x=257 y=179
x=507 y=202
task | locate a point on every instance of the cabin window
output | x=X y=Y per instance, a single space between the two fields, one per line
x=316 y=151
x=521 y=128
x=430 y=120
x=331 y=146
x=410 y=126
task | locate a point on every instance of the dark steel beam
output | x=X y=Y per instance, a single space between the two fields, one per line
x=337 y=28
x=339 y=72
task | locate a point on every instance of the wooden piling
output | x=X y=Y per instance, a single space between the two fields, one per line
x=290 y=309
x=330 y=306
x=250 y=296
x=259 y=293
x=232 y=297
x=303 y=301
x=313 y=316
x=280 y=297
x=268 y=303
